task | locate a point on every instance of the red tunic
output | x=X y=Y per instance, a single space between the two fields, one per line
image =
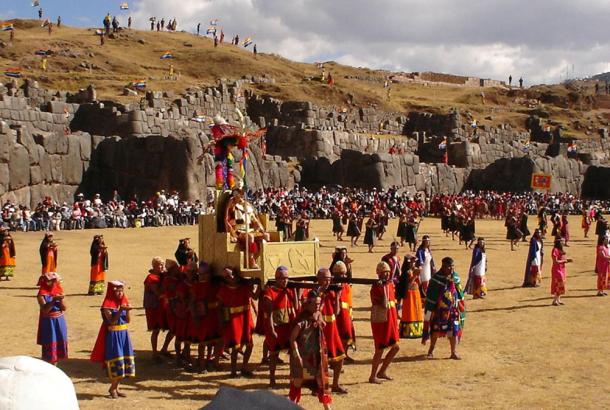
x=181 y=310
x=237 y=317
x=156 y=317
x=385 y=334
x=205 y=326
x=334 y=345
x=283 y=311
x=168 y=294
x=344 y=317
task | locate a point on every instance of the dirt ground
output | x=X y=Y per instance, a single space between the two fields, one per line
x=518 y=351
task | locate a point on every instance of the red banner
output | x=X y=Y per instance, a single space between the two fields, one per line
x=541 y=181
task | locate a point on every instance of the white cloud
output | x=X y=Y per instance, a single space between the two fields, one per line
x=533 y=39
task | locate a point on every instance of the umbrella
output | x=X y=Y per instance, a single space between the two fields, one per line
x=229 y=398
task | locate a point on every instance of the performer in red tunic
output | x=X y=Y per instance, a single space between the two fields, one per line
x=329 y=310
x=205 y=321
x=168 y=297
x=181 y=310
x=345 y=324
x=156 y=317
x=235 y=298
x=308 y=355
x=384 y=323
x=279 y=309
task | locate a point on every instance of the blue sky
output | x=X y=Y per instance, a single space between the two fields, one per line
x=536 y=40
x=83 y=13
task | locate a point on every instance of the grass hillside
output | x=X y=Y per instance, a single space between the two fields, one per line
x=77 y=60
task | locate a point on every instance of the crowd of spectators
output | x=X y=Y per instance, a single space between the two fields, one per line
x=48 y=215
x=168 y=209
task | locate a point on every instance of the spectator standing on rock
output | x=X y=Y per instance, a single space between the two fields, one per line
x=107 y=23
x=115 y=24
x=215 y=41
x=58 y=21
x=255 y=51
x=521 y=82
x=40 y=13
x=510 y=80
x=152 y=24
x=158 y=26
x=129 y=22
x=198 y=28
x=50 y=28
x=163 y=24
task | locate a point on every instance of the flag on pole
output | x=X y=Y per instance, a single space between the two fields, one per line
x=7 y=27
x=125 y=6
x=214 y=22
x=36 y=3
x=541 y=181
x=99 y=32
x=45 y=23
x=167 y=56
x=211 y=30
x=572 y=148
x=247 y=42
x=13 y=72
x=139 y=85
x=443 y=145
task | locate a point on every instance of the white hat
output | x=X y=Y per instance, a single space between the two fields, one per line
x=218 y=120
x=28 y=383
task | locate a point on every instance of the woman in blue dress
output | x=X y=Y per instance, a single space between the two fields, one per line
x=52 y=330
x=113 y=346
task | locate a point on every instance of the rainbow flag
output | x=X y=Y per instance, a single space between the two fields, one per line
x=7 y=27
x=211 y=30
x=36 y=3
x=247 y=42
x=167 y=56
x=45 y=23
x=124 y=6
x=13 y=72
x=139 y=85
x=214 y=22
x=199 y=119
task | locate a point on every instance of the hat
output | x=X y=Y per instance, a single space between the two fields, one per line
x=27 y=383
x=51 y=275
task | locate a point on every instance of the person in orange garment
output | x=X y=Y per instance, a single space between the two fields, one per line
x=48 y=253
x=235 y=300
x=279 y=308
x=329 y=310
x=99 y=265
x=345 y=323
x=384 y=323
x=7 y=255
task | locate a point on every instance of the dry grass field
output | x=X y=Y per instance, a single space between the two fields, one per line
x=135 y=55
x=518 y=351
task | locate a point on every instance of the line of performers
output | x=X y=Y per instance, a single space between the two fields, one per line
x=312 y=321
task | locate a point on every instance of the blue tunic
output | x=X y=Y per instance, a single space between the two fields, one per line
x=119 y=357
x=53 y=333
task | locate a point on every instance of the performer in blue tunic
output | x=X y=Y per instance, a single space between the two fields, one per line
x=535 y=258
x=476 y=284
x=52 y=330
x=113 y=346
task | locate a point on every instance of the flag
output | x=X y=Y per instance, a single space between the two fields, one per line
x=99 y=32
x=167 y=56
x=199 y=118
x=214 y=22
x=7 y=27
x=36 y=3
x=526 y=146
x=247 y=42
x=443 y=145
x=211 y=30
x=41 y=53
x=572 y=148
x=541 y=181
x=125 y=6
x=13 y=72
x=45 y=23
x=138 y=85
